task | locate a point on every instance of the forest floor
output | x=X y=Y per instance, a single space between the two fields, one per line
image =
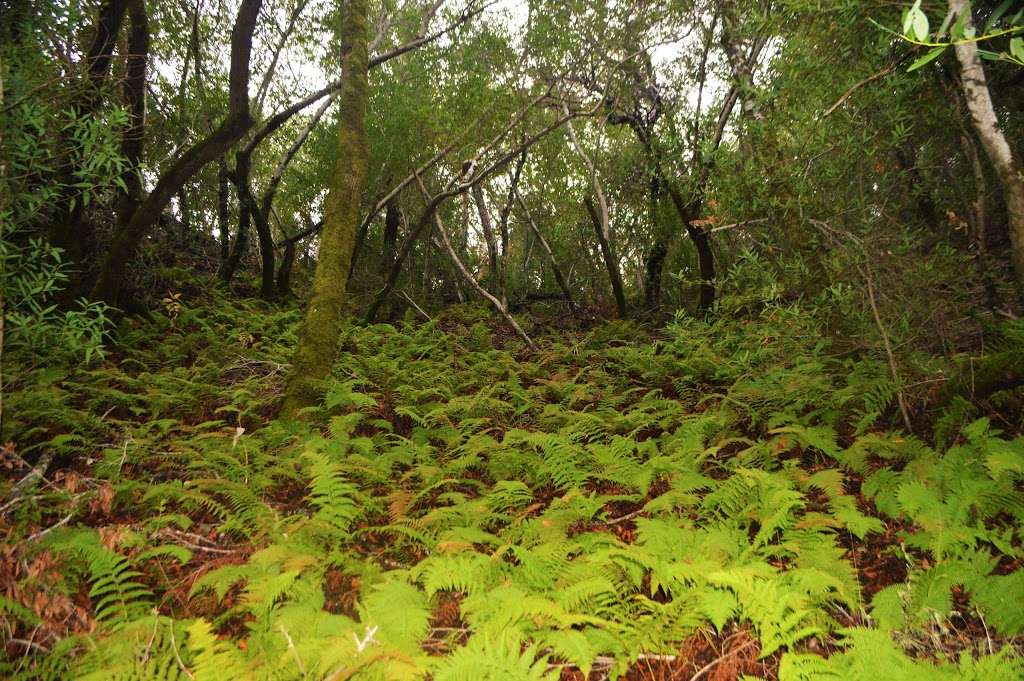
x=711 y=502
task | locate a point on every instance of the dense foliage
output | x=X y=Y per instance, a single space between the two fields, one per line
x=471 y=510
x=459 y=339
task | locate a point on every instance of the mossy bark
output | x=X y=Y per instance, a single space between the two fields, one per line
x=321 y=329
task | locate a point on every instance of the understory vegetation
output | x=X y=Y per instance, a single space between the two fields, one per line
x=511 y=340
x=714 y=499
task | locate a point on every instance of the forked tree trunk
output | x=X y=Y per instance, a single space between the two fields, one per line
x=986 y=124
x=471 y=280
x=321 y=329
x=128 y=238
x=688 y=212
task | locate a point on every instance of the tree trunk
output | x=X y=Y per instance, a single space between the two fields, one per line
x=241 y=243
x=222 y=214
x=498 y=305
x=266 y=239
x=321 y=329
x=185 y=217
x=392 y=219
x=653 y=268
x=503 y=229
x=284 y=273
x=493 y=275
x=986 y=124
x=69 y=231
x=688 y=212
x=556 y=270
x=706 y=263
x=600 y=220
x=655 y=262
x=600 y=227
x=127 y=239
x=133 y=138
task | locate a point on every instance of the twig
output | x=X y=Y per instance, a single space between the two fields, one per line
x=744 y=223
x=63 y=521
x=870 y=79
x=624 y=518
x=152 y=639
x=706 y=668
x=38 y=472
x=418 y=308
x=177 y=656
x=295 y=652
x=866 y=272
x=29 y=645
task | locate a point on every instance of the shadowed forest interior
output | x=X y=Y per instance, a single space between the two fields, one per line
x=511 y=340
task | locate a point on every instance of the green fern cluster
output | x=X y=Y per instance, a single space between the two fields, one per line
x=498 y=515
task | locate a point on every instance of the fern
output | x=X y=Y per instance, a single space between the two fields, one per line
x=331 y=494
x=494 y=659
x=118 y=598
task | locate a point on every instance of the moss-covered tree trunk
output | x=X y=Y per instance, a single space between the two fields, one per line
x=321 y=330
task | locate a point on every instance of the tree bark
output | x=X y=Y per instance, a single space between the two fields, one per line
x=688 y=212
x=506 y=210
x=266 y=240
x=321 y=329
x=69 y=231
x=993 y=140
x=488 y=231
x=127 y=239
x=284 y=273
x=241 y=242
x=654 y=265
x=133 y=138
x=392 y=219
x=223 y=215
x=601 y=223
x=185 y=217
x=600 y=227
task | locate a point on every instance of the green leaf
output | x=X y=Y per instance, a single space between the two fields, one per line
x=959 y=27
x=1017 y=48
x=928 y=58
x=908 y=17
x=920 y=24
x=997 y=15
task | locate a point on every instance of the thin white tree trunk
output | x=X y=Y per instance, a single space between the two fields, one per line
x=986 y=124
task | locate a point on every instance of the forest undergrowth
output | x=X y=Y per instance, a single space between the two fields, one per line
x=701 y=501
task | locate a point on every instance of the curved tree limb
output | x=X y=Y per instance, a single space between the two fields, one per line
x=454 y=189
x=471 y=280
x=126 y=241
